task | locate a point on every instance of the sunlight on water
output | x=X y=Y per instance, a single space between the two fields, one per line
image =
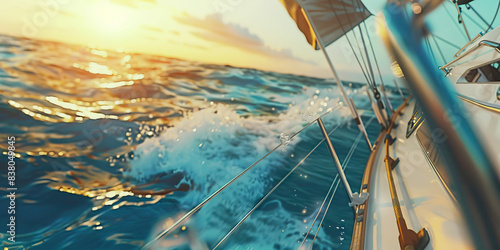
x=108 y=142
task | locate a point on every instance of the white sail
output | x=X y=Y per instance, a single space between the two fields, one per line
x=332 y=18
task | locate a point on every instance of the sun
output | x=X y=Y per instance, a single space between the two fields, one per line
x=112 y=19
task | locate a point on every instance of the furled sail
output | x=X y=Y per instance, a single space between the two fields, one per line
x=332 y=18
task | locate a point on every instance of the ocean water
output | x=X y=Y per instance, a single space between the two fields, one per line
x=113 y=147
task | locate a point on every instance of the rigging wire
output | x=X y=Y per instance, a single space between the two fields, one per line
x=350 y=44
x=374 y=56
x=429 y=48
x=357 y=42
x=446 y=41
x=344 y=164
x=439 y=48
x=468 y=6
x=367 y=57
x=376 y=93
x=337 y=185
x=200 y=205
x=473 y=20
x=376 y=64
x=361 y=52
x=370 y=77
x=371 y=84
x=453 y=21
x=271 y=191
x=374 y=85
x=494 y=17
x=474 y=10
x=346 y=161
x=385 y=99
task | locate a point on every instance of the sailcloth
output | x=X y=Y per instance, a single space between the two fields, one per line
x=332 y=18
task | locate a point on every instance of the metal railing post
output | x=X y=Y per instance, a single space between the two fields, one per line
x=355 y=199
x=486 y=43
x=465 y=46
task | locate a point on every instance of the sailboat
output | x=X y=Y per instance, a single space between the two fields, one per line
x=432 y=180
x=448 y=201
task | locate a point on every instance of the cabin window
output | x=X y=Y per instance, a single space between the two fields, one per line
x=488 y=73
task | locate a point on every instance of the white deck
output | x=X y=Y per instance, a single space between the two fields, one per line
x=424 y=201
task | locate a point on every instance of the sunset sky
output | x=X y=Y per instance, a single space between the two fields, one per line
x=246 y=33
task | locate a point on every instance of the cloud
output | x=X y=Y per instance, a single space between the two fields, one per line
x=195 y=46
x=132 y=3
x=213 y=29
x=150 y=28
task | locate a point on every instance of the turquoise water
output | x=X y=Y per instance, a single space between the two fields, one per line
x=112 y=147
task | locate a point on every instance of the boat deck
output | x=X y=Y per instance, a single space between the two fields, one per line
x=424 y=200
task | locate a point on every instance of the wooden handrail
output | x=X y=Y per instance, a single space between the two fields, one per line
x=358 y=236
x=408 y=239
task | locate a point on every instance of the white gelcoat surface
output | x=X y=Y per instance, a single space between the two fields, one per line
x=424 y=201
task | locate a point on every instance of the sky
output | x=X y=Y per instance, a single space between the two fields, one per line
x=243 y=33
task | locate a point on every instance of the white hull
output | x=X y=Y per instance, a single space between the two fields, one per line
x=424 y=200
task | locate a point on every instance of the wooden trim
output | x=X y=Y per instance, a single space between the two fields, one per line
x=358 y=232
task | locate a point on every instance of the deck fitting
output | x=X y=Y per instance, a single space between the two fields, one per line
x=392 y=162
x=359 y=218
x=361 y=211
x=389 y=139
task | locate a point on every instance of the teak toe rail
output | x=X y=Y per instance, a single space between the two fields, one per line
x=408 y=239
